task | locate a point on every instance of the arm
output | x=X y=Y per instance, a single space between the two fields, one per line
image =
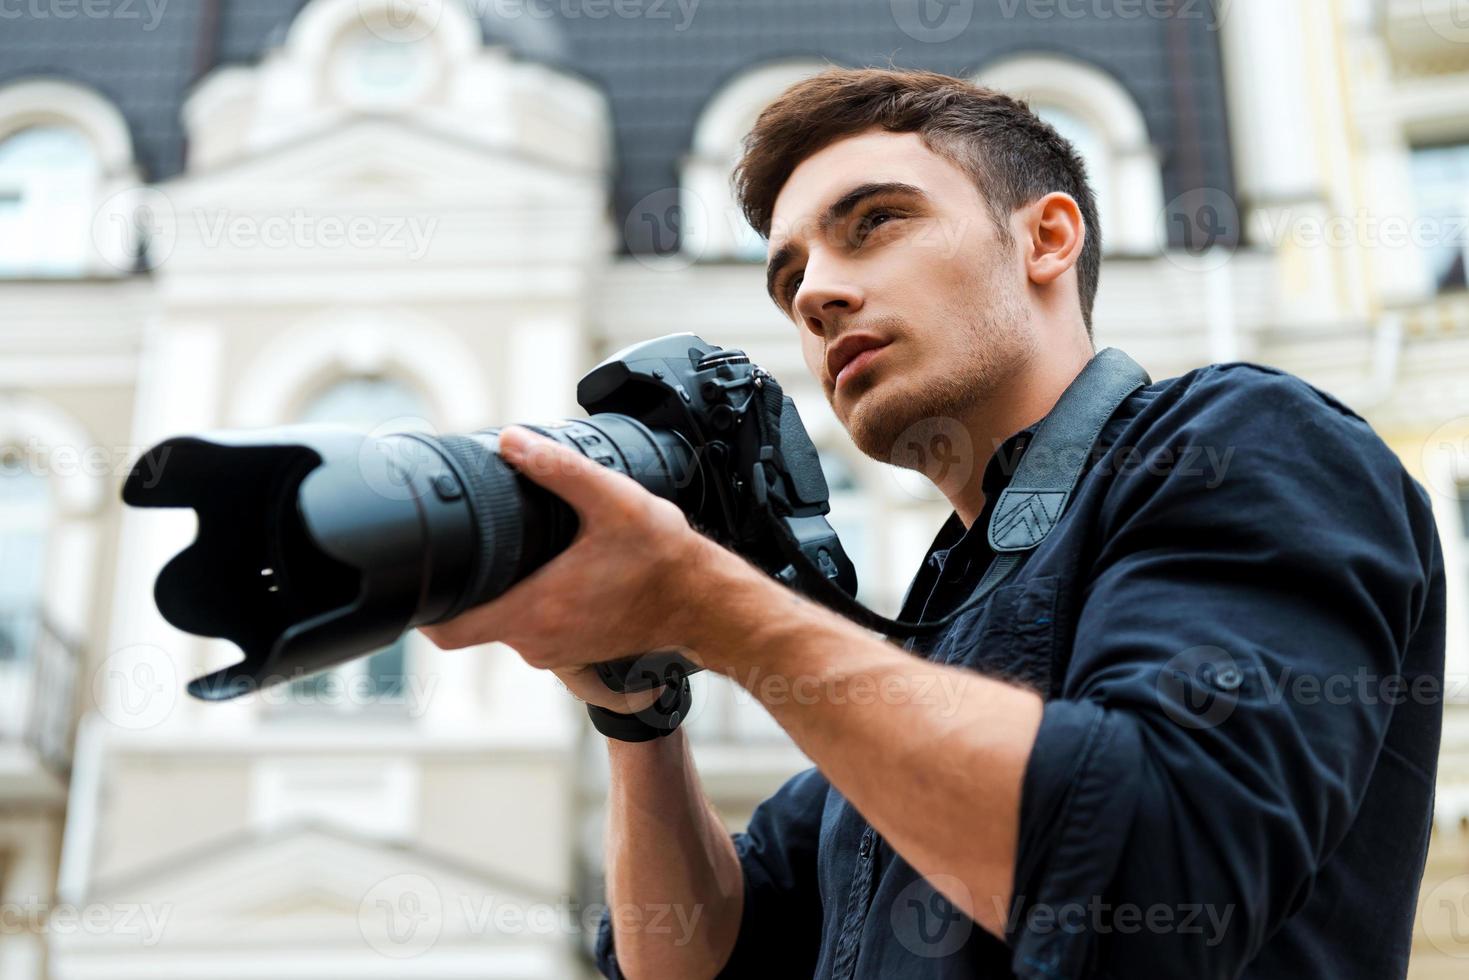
x=870 y=716
x=772 y=866
x=1309 y=557
x=666 y=847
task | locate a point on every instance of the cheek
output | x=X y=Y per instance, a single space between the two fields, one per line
x=811 y=349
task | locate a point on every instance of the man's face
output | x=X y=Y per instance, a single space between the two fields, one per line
x=877 y=238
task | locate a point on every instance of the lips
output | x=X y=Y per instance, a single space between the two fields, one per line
x=847 y=350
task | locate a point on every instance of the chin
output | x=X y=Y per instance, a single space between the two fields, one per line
x=879 y=415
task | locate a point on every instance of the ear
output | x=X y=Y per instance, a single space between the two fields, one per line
x=1052 y=235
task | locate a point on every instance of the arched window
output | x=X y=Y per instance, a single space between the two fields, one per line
x=366 y=404
x=49 y=177
x=713 y=227
x=1102 y=120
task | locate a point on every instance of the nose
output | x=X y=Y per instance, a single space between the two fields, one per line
x=825 y=296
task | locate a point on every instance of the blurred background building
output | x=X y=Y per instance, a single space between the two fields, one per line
x=439 y=214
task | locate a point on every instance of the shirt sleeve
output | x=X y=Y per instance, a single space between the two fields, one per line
x=1179 y=798
x=777 y=853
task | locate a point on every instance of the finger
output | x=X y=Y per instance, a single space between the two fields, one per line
x=587 y=486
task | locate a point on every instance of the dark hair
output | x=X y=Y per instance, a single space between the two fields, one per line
x=1013 y=155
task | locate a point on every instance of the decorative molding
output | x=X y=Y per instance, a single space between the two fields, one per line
x=46 y=101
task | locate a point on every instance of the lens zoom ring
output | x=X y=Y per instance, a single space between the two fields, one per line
x=494 y=501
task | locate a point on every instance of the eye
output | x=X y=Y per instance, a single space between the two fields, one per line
x=792 y=285
x=870 y=222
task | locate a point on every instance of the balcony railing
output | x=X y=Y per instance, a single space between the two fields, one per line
x=38 y=677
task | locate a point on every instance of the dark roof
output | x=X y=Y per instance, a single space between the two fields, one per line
x=660 y=69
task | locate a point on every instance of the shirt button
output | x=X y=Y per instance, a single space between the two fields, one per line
x=865 y=848
x=1229 y=678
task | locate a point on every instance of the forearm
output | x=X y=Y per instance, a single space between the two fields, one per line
x=674 y=884
x=932 y=756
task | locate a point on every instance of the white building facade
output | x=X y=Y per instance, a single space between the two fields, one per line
x=395 y=216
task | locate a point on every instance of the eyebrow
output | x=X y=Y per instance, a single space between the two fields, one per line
x=838 y=210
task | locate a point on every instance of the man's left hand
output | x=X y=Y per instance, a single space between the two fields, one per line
x=631 y=582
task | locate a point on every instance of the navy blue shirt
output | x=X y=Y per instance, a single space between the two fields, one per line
x=1238 y=630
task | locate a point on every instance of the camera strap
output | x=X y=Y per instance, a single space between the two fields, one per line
x=1025 y=513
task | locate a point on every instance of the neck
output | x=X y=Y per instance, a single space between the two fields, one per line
x=1024 y=398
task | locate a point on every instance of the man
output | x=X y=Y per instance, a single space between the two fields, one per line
x=1112 y=768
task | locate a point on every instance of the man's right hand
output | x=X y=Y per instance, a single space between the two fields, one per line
x=585 y=685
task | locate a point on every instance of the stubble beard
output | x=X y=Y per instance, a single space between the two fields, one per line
x=994 y=345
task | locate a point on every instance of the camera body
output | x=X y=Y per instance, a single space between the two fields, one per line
x=318 y=545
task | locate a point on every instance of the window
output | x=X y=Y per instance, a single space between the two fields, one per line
x=25 y=516
x=366 y=404
x=49 y=177
x=1089 y=143
x=1441 y=179
x=376 y=72
x=1093 y=110
x=713 y=227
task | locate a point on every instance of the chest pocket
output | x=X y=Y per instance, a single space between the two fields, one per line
x=1012 y=637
